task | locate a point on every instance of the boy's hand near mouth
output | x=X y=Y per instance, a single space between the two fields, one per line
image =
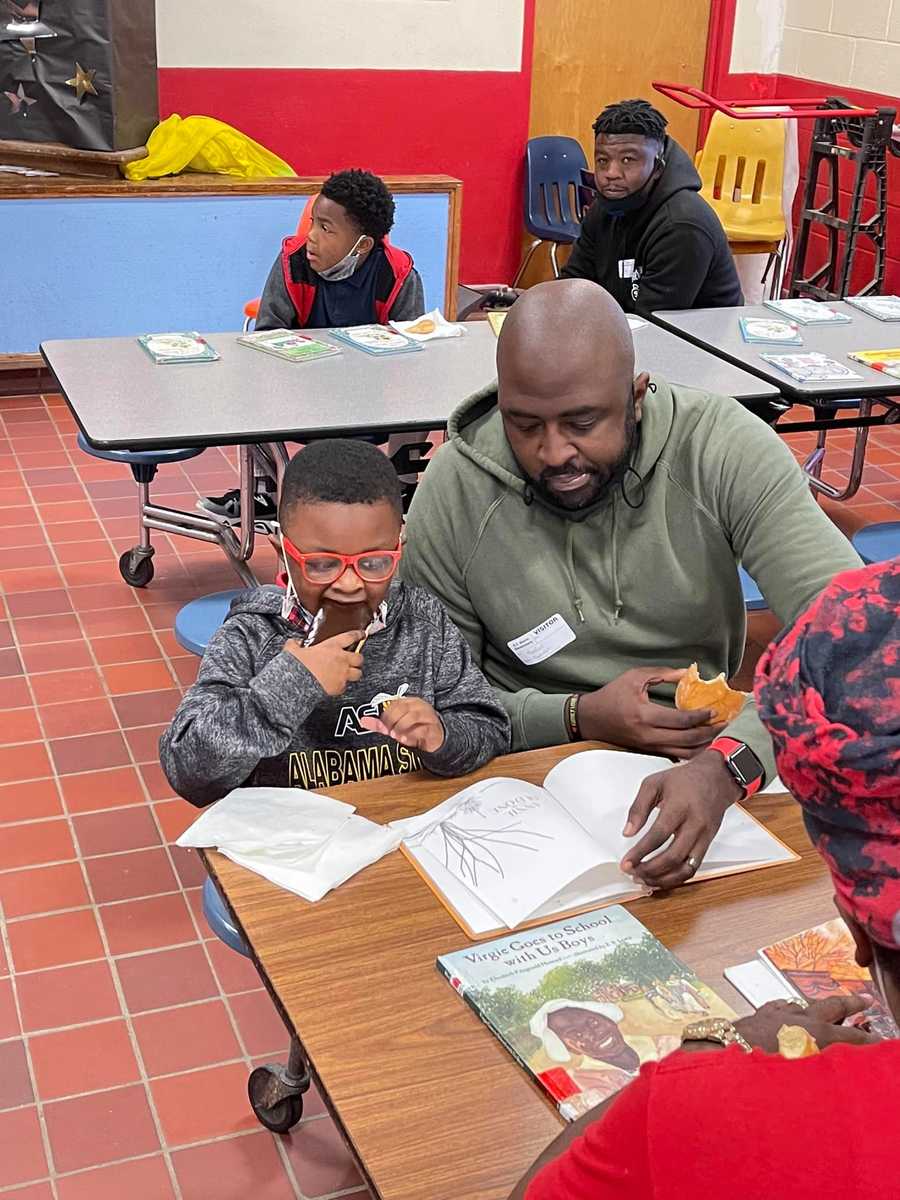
x=333 y=663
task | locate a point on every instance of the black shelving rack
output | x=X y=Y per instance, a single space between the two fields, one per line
x=864 y=139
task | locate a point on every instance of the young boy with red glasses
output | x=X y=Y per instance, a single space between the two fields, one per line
x=344 y=673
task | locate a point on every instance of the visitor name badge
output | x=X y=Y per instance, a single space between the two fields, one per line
x=626 y=268
x=543 y=641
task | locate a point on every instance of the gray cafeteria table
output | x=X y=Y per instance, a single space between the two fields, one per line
x=122 y=400
x=717 y=331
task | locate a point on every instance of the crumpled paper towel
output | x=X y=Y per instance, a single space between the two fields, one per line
x=301 y=841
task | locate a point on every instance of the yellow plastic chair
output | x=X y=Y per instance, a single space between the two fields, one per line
x=741 y=167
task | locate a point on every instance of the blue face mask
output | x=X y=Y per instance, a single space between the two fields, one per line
x=345 y=267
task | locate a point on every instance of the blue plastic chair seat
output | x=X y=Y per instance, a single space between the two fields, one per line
x=139 y=457
x=877 y=543
x=753 y=597
x=219 y=919
x=199 y=619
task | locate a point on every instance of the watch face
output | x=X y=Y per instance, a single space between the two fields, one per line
x=745 y=766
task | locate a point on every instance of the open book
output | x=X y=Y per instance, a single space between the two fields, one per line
x=505 y=853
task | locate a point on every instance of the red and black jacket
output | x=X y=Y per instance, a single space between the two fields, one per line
x=301 y=281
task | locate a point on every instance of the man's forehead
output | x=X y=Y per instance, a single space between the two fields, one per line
x=623 y=141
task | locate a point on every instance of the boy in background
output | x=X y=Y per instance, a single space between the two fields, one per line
x=267 y=709
x=344 y=271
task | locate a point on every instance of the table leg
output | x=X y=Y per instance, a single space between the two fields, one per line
x=816 y=461
x=248 y=478
x=201 y=529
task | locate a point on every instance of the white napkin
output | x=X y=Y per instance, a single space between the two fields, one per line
x=442 y=327
x=358 y=844
x=268 y=819
x=302 y=841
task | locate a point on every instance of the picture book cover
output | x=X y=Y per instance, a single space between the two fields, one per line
x=177 y=347
x=376 y=339
x=582 y=1003
x=811 y=368
x=883 y=308
x=770 y=331
x=808 y=312
x=291 y=346
x=887 y=361
x=820 y=962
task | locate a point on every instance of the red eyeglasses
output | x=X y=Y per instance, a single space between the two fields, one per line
x=373 y=566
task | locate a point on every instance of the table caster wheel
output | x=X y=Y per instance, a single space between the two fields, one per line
x=136 y=567
x=276 y=1105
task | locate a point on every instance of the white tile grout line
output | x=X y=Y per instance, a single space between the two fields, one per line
x=164 y=841
x=117 y=983
x=144 y=1012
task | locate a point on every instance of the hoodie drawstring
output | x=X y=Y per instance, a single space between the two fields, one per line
x=573 y=578
x=617 y=595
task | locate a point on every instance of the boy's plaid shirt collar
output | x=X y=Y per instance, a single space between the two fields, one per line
x=298 y=616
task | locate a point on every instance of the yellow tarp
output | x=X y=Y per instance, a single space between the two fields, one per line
x=204 y=144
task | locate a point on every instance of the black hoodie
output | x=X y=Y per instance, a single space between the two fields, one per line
x=670 y=253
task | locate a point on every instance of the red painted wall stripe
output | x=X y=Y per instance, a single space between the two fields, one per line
x=472 y=125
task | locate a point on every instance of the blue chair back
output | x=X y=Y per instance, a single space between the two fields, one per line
x=553 y=208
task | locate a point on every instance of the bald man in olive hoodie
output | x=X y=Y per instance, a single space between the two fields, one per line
x=583 y=528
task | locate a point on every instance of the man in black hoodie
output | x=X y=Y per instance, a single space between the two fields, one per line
x=650 y=238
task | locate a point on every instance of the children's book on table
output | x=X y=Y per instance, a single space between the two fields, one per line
x=886 y=361
x=379 y=340
x=821 y=962
x=812 y=367
x=768 y=331
x=581 y=1004
x=882 y=308
x=165 y=348
x=808 y=312
x=289 y=345
x=505 y=854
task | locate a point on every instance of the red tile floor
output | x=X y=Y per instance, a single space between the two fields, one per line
x=126 y=1031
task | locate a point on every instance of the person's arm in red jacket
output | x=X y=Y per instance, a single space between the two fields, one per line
x=601 y=1156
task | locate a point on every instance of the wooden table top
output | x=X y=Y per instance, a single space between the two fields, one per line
x=432 y=1104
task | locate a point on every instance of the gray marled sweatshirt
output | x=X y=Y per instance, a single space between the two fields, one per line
x=257 y=717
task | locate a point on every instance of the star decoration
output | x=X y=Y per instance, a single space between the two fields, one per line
x=83 y=81
x=17 y=99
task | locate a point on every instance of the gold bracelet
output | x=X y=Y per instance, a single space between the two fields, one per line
x=572 y=717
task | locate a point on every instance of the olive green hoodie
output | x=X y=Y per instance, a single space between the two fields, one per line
x=652 y=582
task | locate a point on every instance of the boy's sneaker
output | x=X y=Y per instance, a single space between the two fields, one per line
x=227 y=508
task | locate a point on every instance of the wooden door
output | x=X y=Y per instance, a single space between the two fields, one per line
x=589 y=53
